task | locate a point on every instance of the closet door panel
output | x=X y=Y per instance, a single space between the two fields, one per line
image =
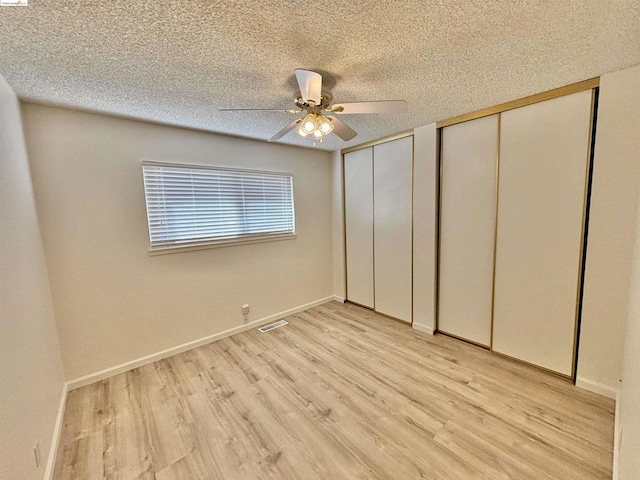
x=358 y=199
x=467 y=228
x=393 y=163
x=543 y=163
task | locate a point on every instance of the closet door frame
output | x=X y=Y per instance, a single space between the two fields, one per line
x=594 y=86
x=362 y=146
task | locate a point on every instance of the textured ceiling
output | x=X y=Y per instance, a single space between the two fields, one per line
x=178 y=62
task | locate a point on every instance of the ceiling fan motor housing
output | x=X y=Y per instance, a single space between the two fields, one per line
x=325 y=103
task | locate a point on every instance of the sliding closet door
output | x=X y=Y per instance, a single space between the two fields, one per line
x=358 y=202
x=467 y=228
x=393 y=163
x=543 y=167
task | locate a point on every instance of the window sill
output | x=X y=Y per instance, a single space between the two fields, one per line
x=190 y=247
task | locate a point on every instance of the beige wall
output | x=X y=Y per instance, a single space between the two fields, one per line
x=629 y=421
x=337 y=225
x=113 y=302
x=616 y=186
x=424 y=227
x=31 y=376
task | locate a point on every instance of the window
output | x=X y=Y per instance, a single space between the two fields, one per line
x=190 y=205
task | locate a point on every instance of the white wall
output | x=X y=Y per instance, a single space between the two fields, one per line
x=629 y=408
x=616 y=187
x=424 y=227
x=31 y=375
x=113 y=302
x=337 y=225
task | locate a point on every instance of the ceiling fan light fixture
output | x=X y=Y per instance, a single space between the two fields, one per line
x=309 y=123
x=315 y=124
x=326 y=127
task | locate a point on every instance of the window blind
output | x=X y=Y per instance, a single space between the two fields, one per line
x=195 y=204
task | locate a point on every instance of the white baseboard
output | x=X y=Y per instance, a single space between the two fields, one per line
x=616 y=437
x=596 y=387
x=337 y=298
x=422 y=328
x=139 y=362
x=57 y=430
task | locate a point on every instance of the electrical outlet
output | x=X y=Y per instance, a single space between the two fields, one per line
x=36 y=453
x=245 y=309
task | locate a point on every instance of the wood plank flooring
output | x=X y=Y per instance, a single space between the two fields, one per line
x=339 y=393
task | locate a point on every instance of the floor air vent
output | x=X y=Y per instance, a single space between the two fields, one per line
x=273 y=326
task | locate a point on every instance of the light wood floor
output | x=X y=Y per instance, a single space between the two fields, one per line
x=338 y=393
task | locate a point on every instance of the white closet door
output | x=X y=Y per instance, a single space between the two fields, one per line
x=393 y=163
x=543 y=167
x=358 y=199
x=467 y=228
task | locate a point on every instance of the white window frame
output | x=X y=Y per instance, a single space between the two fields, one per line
x=189 y=244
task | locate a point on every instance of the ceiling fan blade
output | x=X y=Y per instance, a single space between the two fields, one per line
x=383 y=106
x=285 y=130
x=342 y=130
x=310 y=84
x=258 y=110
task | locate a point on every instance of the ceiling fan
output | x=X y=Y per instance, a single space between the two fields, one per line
x=317 y=105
